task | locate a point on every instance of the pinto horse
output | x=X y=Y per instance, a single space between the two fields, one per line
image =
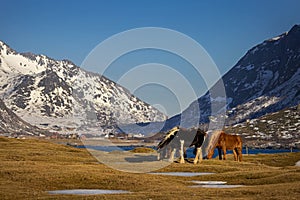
x=227 y=142
x=180 y=139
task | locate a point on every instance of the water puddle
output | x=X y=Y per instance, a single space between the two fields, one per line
x=185 y=174
x=209 y=182
x=216 y=186
x=87 y=192
x=213 y=184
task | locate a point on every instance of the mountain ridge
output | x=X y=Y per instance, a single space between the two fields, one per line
x=265 y=80
x=12 y=125
x=42 y=90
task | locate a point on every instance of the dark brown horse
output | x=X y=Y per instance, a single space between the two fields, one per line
x=227 y=142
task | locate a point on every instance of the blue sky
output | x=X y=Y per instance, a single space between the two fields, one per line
x=71 y=29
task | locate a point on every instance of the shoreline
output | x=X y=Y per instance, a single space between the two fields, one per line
x=135 y=143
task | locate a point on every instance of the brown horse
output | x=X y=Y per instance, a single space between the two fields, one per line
x=228 y=142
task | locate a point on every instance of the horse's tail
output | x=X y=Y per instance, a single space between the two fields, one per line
x=240 y=142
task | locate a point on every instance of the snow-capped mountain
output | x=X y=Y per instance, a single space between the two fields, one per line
x=52 y=93
x=265 y=80
x=11 y=124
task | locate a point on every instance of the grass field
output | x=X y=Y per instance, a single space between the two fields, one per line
x=29 y=168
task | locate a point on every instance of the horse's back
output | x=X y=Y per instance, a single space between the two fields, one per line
x=231 y=141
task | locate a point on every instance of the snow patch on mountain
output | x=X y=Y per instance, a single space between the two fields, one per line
x=12 y=125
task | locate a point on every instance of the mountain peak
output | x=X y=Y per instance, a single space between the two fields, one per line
x=2 y=43
x=295 y=29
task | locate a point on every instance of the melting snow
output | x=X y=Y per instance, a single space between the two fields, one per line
x=185 y=174
x=87 y=192
x=275 y=38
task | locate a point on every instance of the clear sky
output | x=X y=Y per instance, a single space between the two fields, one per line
x=66 y=29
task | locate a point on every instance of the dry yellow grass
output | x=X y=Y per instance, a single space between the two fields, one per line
x=29 y=168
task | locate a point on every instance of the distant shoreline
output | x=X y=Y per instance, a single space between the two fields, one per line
x=190 y=154
x=139 y=143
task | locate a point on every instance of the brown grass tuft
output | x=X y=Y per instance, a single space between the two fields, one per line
x=142 y=150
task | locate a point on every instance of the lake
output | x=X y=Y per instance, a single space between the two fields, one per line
x=189 y=150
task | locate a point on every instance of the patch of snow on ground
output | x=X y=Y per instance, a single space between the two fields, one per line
x=87 y=192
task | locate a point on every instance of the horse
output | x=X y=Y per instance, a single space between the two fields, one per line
x=181 y=138
x=227 y=142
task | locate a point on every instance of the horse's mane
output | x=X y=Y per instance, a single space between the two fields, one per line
x=211 y=141
x=168 y=137
x=191 y=137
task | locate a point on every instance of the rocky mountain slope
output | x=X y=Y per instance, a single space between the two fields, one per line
x=275 y=130
x=12 y=125
x=50 y=93
x=265 y=80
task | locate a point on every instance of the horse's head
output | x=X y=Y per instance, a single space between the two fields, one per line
x=210 y=153
x=201 y=132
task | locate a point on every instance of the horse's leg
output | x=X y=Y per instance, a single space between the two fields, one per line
x=158 y=155
x=198 y=157
x=220 y=153
x=240 y=154
x=200 y=154
x=224 y=152
x=161 y=153
x=172 y=155
x=181 y=151
x=235 y=153
x=168 y=152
